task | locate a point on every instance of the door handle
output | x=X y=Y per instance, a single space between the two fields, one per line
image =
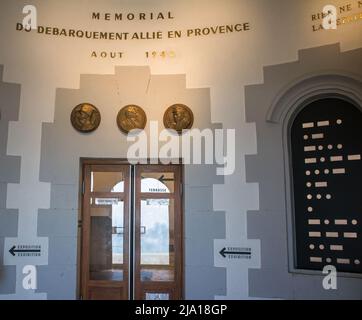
x=117 y=230
x=143 y=230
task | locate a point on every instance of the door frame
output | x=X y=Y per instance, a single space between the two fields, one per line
x=121 y=161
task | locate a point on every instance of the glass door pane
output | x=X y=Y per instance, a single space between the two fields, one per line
x=158 y=233
x=107 y=239
x=106 y=232
x=157 y=182
x=107 y=181
x=157 y=240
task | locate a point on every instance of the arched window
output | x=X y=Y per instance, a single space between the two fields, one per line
x=326 y=149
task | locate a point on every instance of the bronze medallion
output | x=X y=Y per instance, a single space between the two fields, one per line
x=178 y=117
x=85 y=117
x=131 y=117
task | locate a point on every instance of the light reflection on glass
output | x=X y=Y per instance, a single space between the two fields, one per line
x=107 y=239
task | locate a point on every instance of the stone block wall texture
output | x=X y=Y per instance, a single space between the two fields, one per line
x=9 y=173
x=62 y=148
x=269 y=224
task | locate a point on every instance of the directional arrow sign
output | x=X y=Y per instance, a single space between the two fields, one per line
x=163 y=179
x=235 y=251
x=25 y=250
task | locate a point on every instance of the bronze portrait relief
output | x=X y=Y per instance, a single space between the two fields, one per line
x=131 y=117
x=85 y=117
x=178 y=117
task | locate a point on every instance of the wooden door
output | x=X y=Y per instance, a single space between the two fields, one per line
x=158 y=233
x=132 y=232
x=105 y=225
